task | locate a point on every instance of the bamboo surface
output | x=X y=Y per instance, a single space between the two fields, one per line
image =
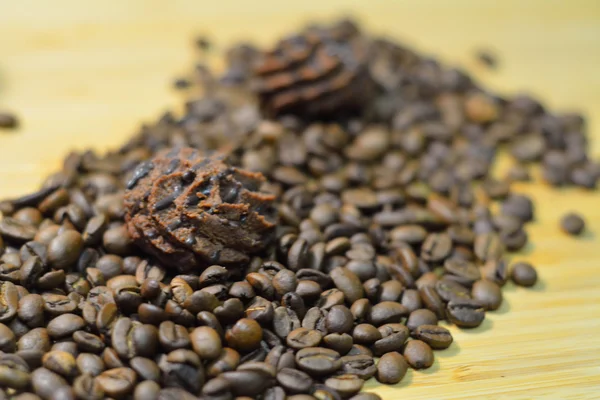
x=85 y=74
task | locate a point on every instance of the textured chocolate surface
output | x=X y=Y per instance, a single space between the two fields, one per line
x=191 y=211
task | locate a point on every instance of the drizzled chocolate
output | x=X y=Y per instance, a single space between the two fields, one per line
x=191 y=211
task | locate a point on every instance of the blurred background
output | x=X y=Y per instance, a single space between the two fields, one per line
x=85 y=74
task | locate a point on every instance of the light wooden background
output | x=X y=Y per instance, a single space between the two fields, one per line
x=86 y=73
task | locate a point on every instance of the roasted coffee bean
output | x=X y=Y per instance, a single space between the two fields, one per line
x=448 y=289
x=339 y=320
x=260 y=310
x=183 y=369
x=418 y=354
x=411 y=299
x=387 y=312
x=437 y=337
x=391 y=368
x=175 y=393
x=359 y=349
x=87 y=387
x=206 y=318
x=340 y=342
x=346 y=385
x=64 y=249
x=145 y=368
x=436 y=247
x=348 y=283
x=250 y=383
x=148 y=390
x=572 y=224
x=285 y=321
x=91 y=364
x=361 y=365
x=488 y=247
x=487 y=293
x=31 y=310
x=495 y=271
x=244 y=335
x=392 y=341
x=9 y=301
x=60 y=362
x=8 y=342
x=117 y=382
x=218 y=389
x=302 y=338
x=228 y=360
x=366 y=334
x=421 y=317
x=16 y=230
x=294 y=381
x=523 y=274
x=14 y=372
x=432 y=301
x=205 y=342
x=463 y=272
x=45 y=382
x=318 y=361
x=66 y=346
x=111 y=358
x=65 y=325
x=465 y=313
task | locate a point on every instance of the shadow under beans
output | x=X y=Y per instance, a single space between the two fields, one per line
x=587 y=236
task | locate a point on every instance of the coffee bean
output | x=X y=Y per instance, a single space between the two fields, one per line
x=392 y=341
x=572 y=224
x=421 y=317
x=437 y=337
x=9 y=301
x=387 y=312
x=348 y=283
x=66 y=346
x=448 y=289
x=346 y=385
x=436 y=247
x=64 y=249
x=523 y=274
x=244 y=335
x=147 y=390
x=465 y=313
x=91 y=364
x=411 y=299
x=302 y=338
x=432 y=301
x=488 y=247
x=294 y=381
x=418 y=354
x=60 y=362
x=14 y=372
x=361 y=365
x=250 y=383
x=340 y=342
x=228 y=360
x=7 y=339
x=391 y=368
x=487 y=293
x=16 y=230
x=87 y=387
x=117 y=382
x=175 y=394
x=65 y=325
x=117 y=240
x=318 y=361
x=339 y=320
x=183 y=369
x=145 y=368
x=463 y=272
x=206 y=342
x=45 y=382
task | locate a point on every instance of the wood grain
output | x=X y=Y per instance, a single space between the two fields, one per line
x=85 y=74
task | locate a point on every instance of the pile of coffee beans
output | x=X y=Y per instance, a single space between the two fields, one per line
x=385 y=224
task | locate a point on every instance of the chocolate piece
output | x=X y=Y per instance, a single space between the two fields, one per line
x=191 y=211
x=320 y=72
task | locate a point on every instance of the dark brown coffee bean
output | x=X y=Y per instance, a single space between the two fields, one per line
x=86 y=387
x=432 y=301
x=523 y=274
x=145 y=368
x=64 y=249
x=45 y=382
x=346 y=385
x=387 y=312
x=318 y=361
x=421 y=317
x=437 y=337
x=205 y=341
x=411 y=234
x=285 y=321
x=182 y=369
x=91 y=364
x=348 y=283
x=572 y=224
x=244 y=335
x=31 y=310
x=60 y=362
x=465 y=313
x=65 y=325
x=418 y=354
x=411 y=299
x=366 y=334
x=248 y=383
x=228 y=360
x=361 y=365
x=487 y=293
x=488 y=247
x=391 y=368
x=16 y=230
x=66 y=346
x=339 y=320
x=392 y=340
x=8 y=342
x=117 y=382
x=9 y=301
x=340 y=342
x=111 y=358
x=294 y=381
x=436 y=247
x=449 y=289
x=463 y=272
x=117 y=240
x=302 y=337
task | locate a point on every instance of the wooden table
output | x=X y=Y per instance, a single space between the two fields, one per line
x=85 y=74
